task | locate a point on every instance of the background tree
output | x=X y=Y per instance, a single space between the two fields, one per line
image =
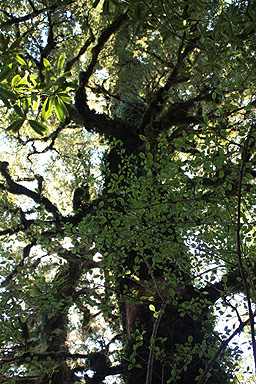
x=128 y=194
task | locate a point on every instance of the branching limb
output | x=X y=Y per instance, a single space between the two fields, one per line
x=50 y=39
x=82 y=50
x=29 y=16
x=214 y=291
x=159 y=98
x=26 y=252
x=221 y=348
x=81 y=100
x=18 y=189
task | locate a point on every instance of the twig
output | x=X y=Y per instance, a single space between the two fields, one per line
x=221 y=348
x=152 y=345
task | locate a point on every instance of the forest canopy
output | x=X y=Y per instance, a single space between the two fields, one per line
x=127 y=190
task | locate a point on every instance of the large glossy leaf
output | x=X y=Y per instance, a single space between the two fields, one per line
x=63 y=106
x=7 y=94
x=47 y=108
x=39 y=128
x=59 y=110
x=16 y=125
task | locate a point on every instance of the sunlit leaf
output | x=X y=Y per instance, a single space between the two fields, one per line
x=46 y=63
x=61 y=63
x=65 y=97
x=20 y=60
x=59 y=110
x=47 y=108
x=15 y=80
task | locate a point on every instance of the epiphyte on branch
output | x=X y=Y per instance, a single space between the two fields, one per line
x=81 y=197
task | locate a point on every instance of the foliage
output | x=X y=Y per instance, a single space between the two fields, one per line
x=127 y=191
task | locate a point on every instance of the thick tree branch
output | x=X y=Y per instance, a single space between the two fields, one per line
x=50 y=40
x=159 y=98
x=18 y=189
x=81 y=100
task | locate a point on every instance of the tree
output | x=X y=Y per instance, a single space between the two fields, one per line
x=128 y=193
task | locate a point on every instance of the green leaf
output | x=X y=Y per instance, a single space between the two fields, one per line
x=65 y=97
x=66 y=74
x=190 y=339
x=5 y=72
x=26 y=104
x=35 y=102
x=47 y=108
x=165 y=34
x=221 y=151
x=7 y=94
x=15 y=44
x=16 y=125
x=61 y=63
x=60 y=81
x=18 y=110
x=33 y=80
x=15 y=80
x=5 y=101
x=39 y=128
x=22 y=81
x=63 y=106
x=46 y=63
x=249 y=27
x=152 y=308
x=251 y=13
x=20 y=60
x=59 y=111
